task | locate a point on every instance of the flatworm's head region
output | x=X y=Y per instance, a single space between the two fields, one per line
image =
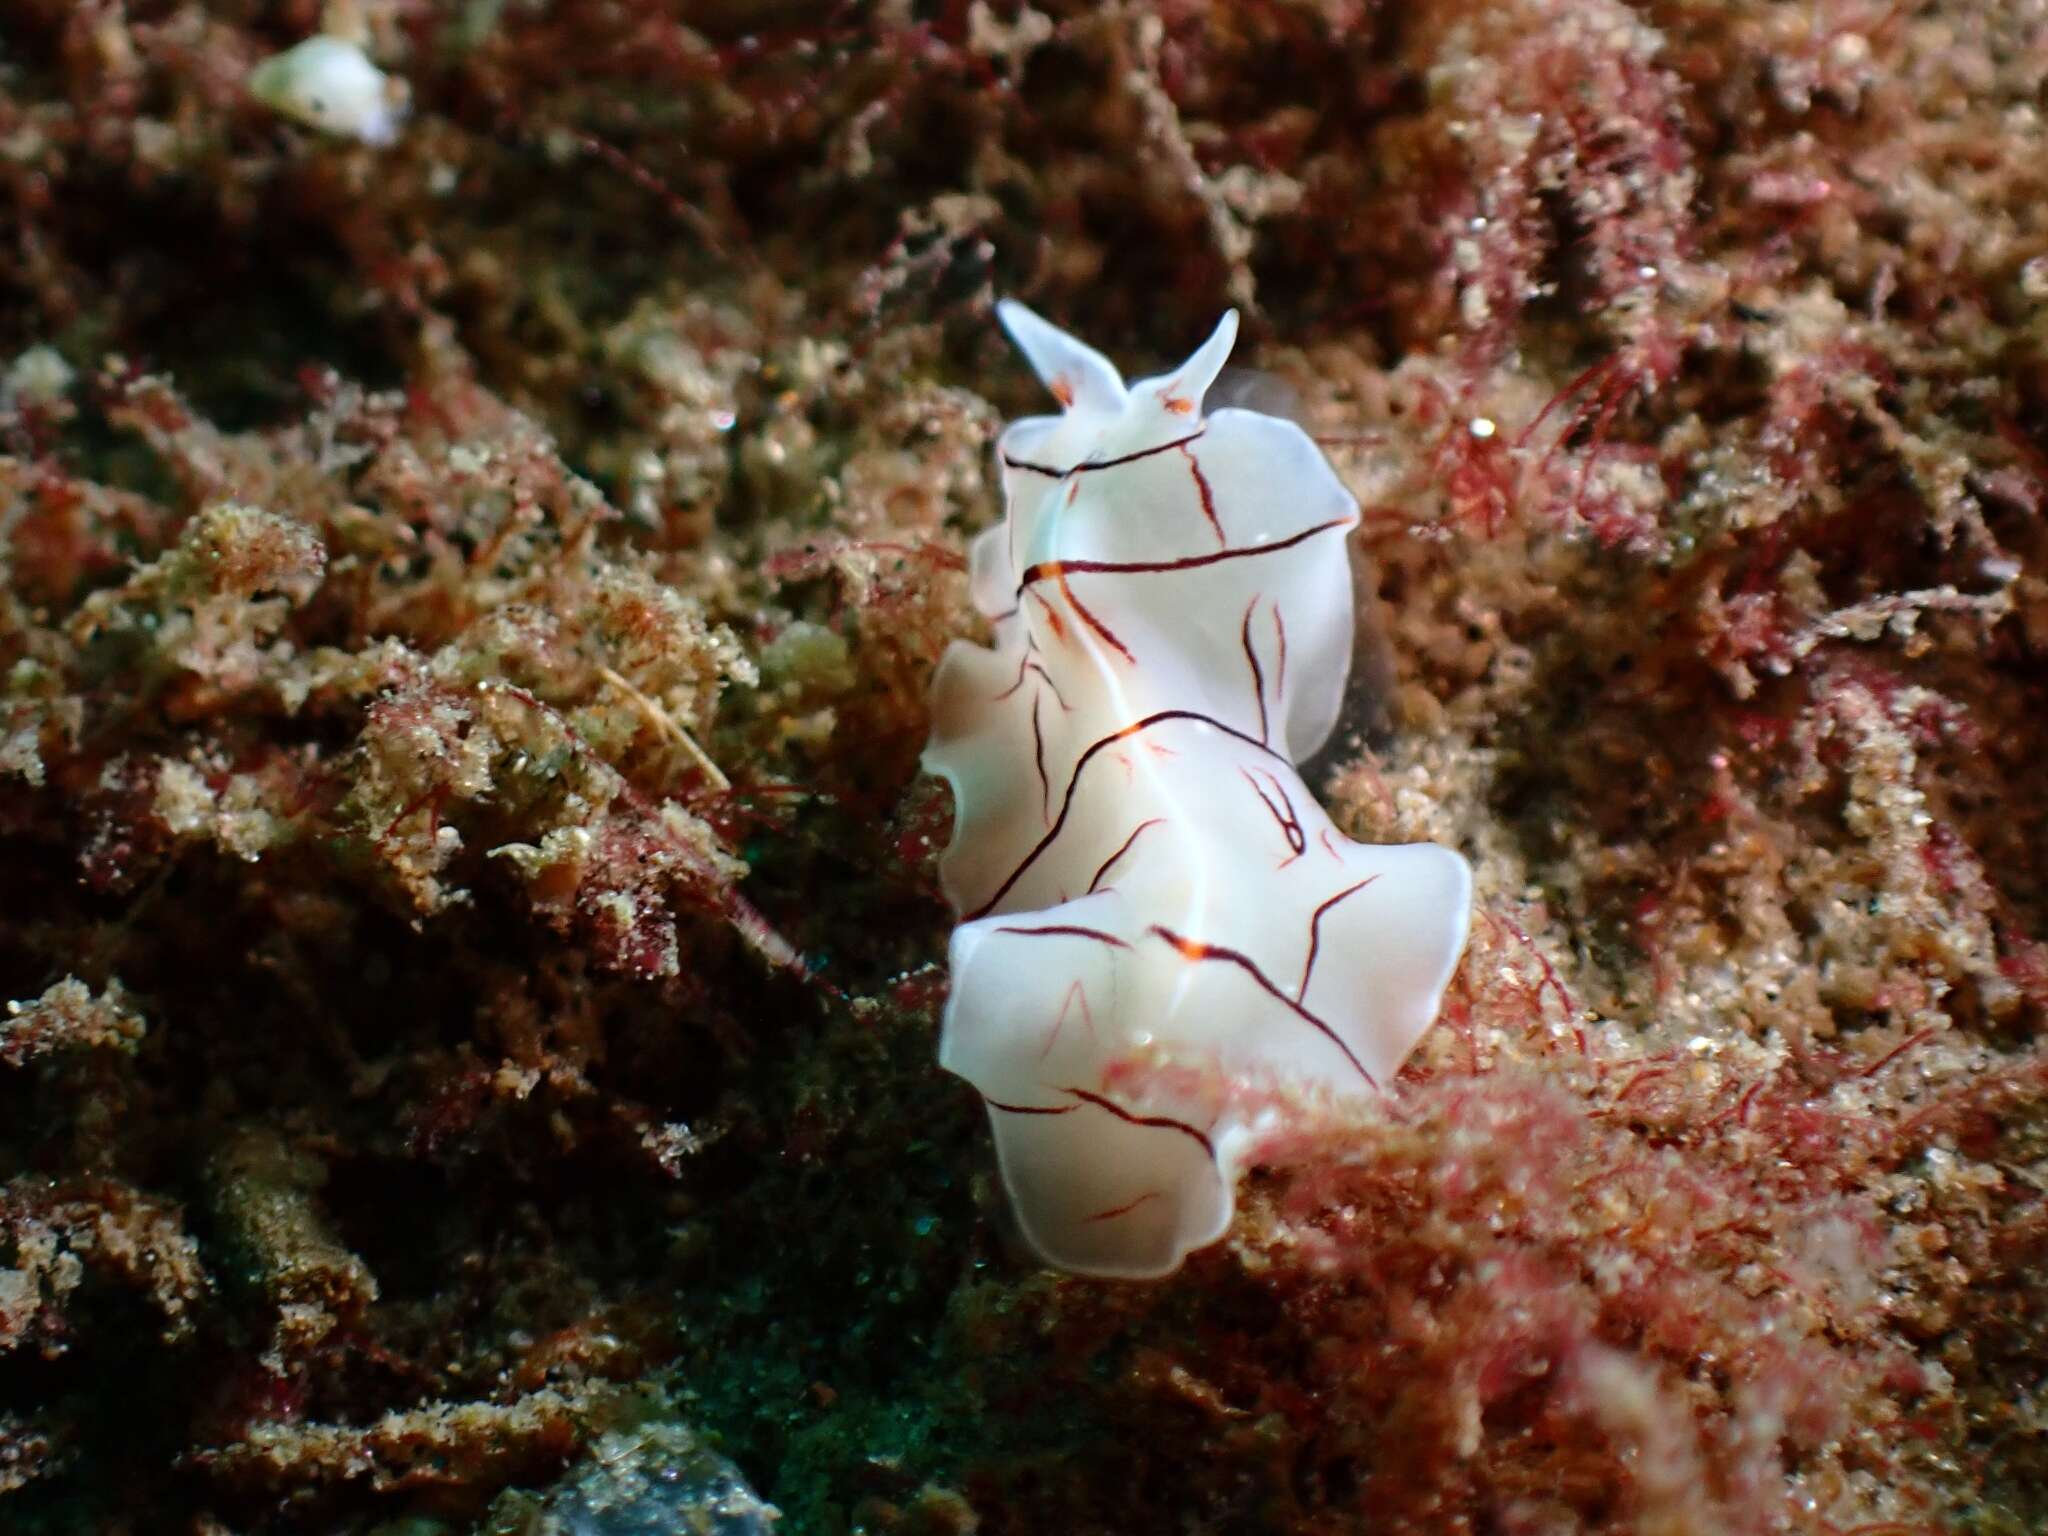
x=1140 y=530
x=1152 y=558
x=1139 y=870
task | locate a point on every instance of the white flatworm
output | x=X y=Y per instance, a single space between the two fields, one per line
x=1134 y=859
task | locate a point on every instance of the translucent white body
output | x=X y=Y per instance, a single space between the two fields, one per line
x=330 y=84
x=1136 y=864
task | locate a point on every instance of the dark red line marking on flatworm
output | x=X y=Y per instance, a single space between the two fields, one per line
x=1195 y=949
x=1038 y=756
x=1052 y=616
x=1289 y=820
x=1071 y=931
x=1073 y=783
x=1153 y=1122
x=1202 y=489
x=1058 y=697
x=1093 y=622
x=1075 y=993
x=1251 y=655
x=1111 y=860
x=1280 y=668
x=1121 y=1210
x=1029 y=1109
x=1315 y=934
x=1023 y=662
x=1089 y=469
x=1061 y=568
x=1156 y=1122
x=1029 y=663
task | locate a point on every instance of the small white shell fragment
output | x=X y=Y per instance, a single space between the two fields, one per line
x=39 y=377
x=1137 y=865
x=330 y=84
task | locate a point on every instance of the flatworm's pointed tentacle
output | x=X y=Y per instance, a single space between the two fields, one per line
x=1080 y=377
x=1194 y=376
